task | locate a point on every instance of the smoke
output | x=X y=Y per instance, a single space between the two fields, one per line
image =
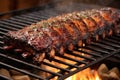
x=66 y=6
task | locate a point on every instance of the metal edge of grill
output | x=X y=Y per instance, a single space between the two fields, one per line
x=100 y=50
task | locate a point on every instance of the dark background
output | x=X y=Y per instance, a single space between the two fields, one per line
x=9 y=5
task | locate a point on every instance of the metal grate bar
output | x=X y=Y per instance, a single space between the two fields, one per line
x=103 y=46
x=90 y=53
x=31 y=65
x=30 y=17
x=2 y=33
x=4 y=30
x=8 y=27
x=97 y=49
x=85 y=57
x=26 y=19
x=66 y=57
x=20 y=20
x=10 y=24
x=109 y=44
x=117 y=56
x=115 y=38
x=14 y=22
x=66 y=70
x=59 y=61
x=21 y=70
x=2 y=77
x=1 y=42
x=112 y=41
x=38 y=16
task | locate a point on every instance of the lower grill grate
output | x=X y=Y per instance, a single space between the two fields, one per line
x=97 y=54
x=82 y=57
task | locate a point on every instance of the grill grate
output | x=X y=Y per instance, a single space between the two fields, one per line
x=89 y=55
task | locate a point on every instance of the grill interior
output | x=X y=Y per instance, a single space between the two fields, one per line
x=96 y=51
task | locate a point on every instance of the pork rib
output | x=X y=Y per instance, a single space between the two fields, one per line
x=51 y=37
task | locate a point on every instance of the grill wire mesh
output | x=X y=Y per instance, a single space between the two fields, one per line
x=89 y=55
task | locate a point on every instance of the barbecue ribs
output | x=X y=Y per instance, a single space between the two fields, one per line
x=53 y=36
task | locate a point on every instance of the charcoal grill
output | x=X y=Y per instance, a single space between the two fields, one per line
x=97 y=51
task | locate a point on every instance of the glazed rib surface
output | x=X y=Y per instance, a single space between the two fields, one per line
x=53 y=36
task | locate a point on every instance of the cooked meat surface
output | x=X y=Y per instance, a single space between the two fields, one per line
x=54 y=36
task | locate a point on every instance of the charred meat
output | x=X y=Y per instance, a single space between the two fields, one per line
x=53 y=36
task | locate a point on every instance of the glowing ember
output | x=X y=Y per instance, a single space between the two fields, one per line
x=83 y=44
x=86 y=74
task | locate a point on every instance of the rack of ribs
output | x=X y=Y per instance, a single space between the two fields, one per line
x=53 y=36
